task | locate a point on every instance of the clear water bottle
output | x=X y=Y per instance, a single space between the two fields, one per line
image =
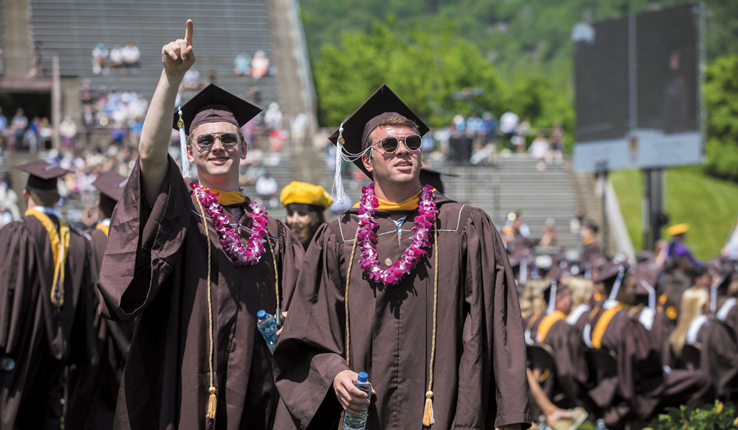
x=542 y=425
x=358 y=422
x=600 y=425
x=268 y=328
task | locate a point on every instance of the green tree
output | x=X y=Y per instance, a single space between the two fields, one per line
x=721 y=97
x=425 y=68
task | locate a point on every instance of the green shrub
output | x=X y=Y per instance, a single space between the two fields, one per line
x=719 y=417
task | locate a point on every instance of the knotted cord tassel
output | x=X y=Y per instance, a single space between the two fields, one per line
x=337 y=180
x=212 y=403
x=183 y=147
x=428 y=419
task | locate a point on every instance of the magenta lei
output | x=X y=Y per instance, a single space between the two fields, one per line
x=367 y=238
x=241 y=254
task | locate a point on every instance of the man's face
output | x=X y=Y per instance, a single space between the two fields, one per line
x=563 y=302
x=299 y=222
x=218 y=160
x=399 y=168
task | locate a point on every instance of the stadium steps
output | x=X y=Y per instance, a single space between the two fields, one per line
x=513 y=184
x=223 y=28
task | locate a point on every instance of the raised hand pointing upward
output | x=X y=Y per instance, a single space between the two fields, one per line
x=178 y=56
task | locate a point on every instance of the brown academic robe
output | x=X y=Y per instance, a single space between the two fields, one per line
x=641 y=380
x=155 y=267
x=591 y=255
x=719 y=357
x=731 y=321
x=659 y=330
x=479 y=374
x=40 y=337
x=571 y=368
x=94 y=389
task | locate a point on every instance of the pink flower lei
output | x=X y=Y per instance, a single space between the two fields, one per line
x=241 y=254
x=367 y=238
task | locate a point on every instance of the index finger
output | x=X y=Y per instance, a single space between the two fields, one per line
x=188 y=32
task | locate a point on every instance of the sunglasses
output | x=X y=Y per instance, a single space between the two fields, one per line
x=206 y=141
x=391 y=143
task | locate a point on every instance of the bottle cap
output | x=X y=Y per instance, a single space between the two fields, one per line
x=262 y=315
x=363 y=377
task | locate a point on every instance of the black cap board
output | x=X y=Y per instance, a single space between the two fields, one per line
x=381 y=105
x=111 y=184
x=42 y=175
x=214 y=104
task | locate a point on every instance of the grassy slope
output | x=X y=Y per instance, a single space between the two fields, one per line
x=708 y=205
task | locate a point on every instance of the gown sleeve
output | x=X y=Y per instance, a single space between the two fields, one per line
x=493 y=388
x=291 y=256
x=144 y=244
x=18 y=284
x=310 y=350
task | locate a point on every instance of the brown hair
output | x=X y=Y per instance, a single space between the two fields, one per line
x=46 y=198
x=392 y=120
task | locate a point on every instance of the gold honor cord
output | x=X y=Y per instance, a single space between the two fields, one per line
x=428 y=419
x=59 y=243
x=213 y=401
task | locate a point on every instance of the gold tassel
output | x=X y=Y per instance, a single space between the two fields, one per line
x=211 y=404
x=428 y=419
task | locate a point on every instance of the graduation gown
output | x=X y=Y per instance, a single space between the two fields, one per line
x=38 y=336
x=566 y=342
x=641 y=380
x=94 y=389
x=480 y=379
x=659 y=327
x=718 y=356
x=728 y=314
x=155 y=267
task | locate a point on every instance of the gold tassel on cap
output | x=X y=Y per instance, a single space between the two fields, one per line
x=212 y=403
x=428 y=414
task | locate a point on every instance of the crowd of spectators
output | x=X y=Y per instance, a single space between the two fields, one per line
x=24 y=135
x=123 y=112
x=125 y=58
x=256 y=67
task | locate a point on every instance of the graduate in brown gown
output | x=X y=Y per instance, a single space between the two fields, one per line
x=641 y=386
x=718 y=350
x=592 y=255
x=45 y=306
x=550 y=327
x=476 y=356
x=197 y=359
x=305 y=204
x=643 y=277
x=94 y=392
x=726 y=287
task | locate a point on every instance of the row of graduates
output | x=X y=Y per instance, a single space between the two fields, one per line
x=434 y=320
x=633 y=339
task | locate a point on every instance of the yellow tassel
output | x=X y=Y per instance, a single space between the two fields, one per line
x=428 y=419
x=211 y=404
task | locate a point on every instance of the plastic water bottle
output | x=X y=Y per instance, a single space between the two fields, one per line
x=268 y=328
x=542 y=425
x=600 y=425
x=358 y=422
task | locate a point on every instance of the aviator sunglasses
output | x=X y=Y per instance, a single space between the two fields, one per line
x=206 y=141
x=391 y=143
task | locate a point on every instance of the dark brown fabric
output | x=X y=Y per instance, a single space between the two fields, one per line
x=94 y=388
x=38 y=336
x=480 y=379
x=719 y=357
x=155 y=267
x=641 y=381
x=592 y=255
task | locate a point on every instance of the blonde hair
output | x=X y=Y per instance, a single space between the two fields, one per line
x=692 y=305
x=581 y=290
x=531 y=298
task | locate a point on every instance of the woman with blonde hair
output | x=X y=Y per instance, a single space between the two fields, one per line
x=718 y=350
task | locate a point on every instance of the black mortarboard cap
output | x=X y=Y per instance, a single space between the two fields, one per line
x=214 y=104
x=381 y=105
x=610 y=272
x=42 y=175
x=560 y=290
x=111 y=184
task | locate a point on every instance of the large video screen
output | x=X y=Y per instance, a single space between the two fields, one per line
x=637 y=97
